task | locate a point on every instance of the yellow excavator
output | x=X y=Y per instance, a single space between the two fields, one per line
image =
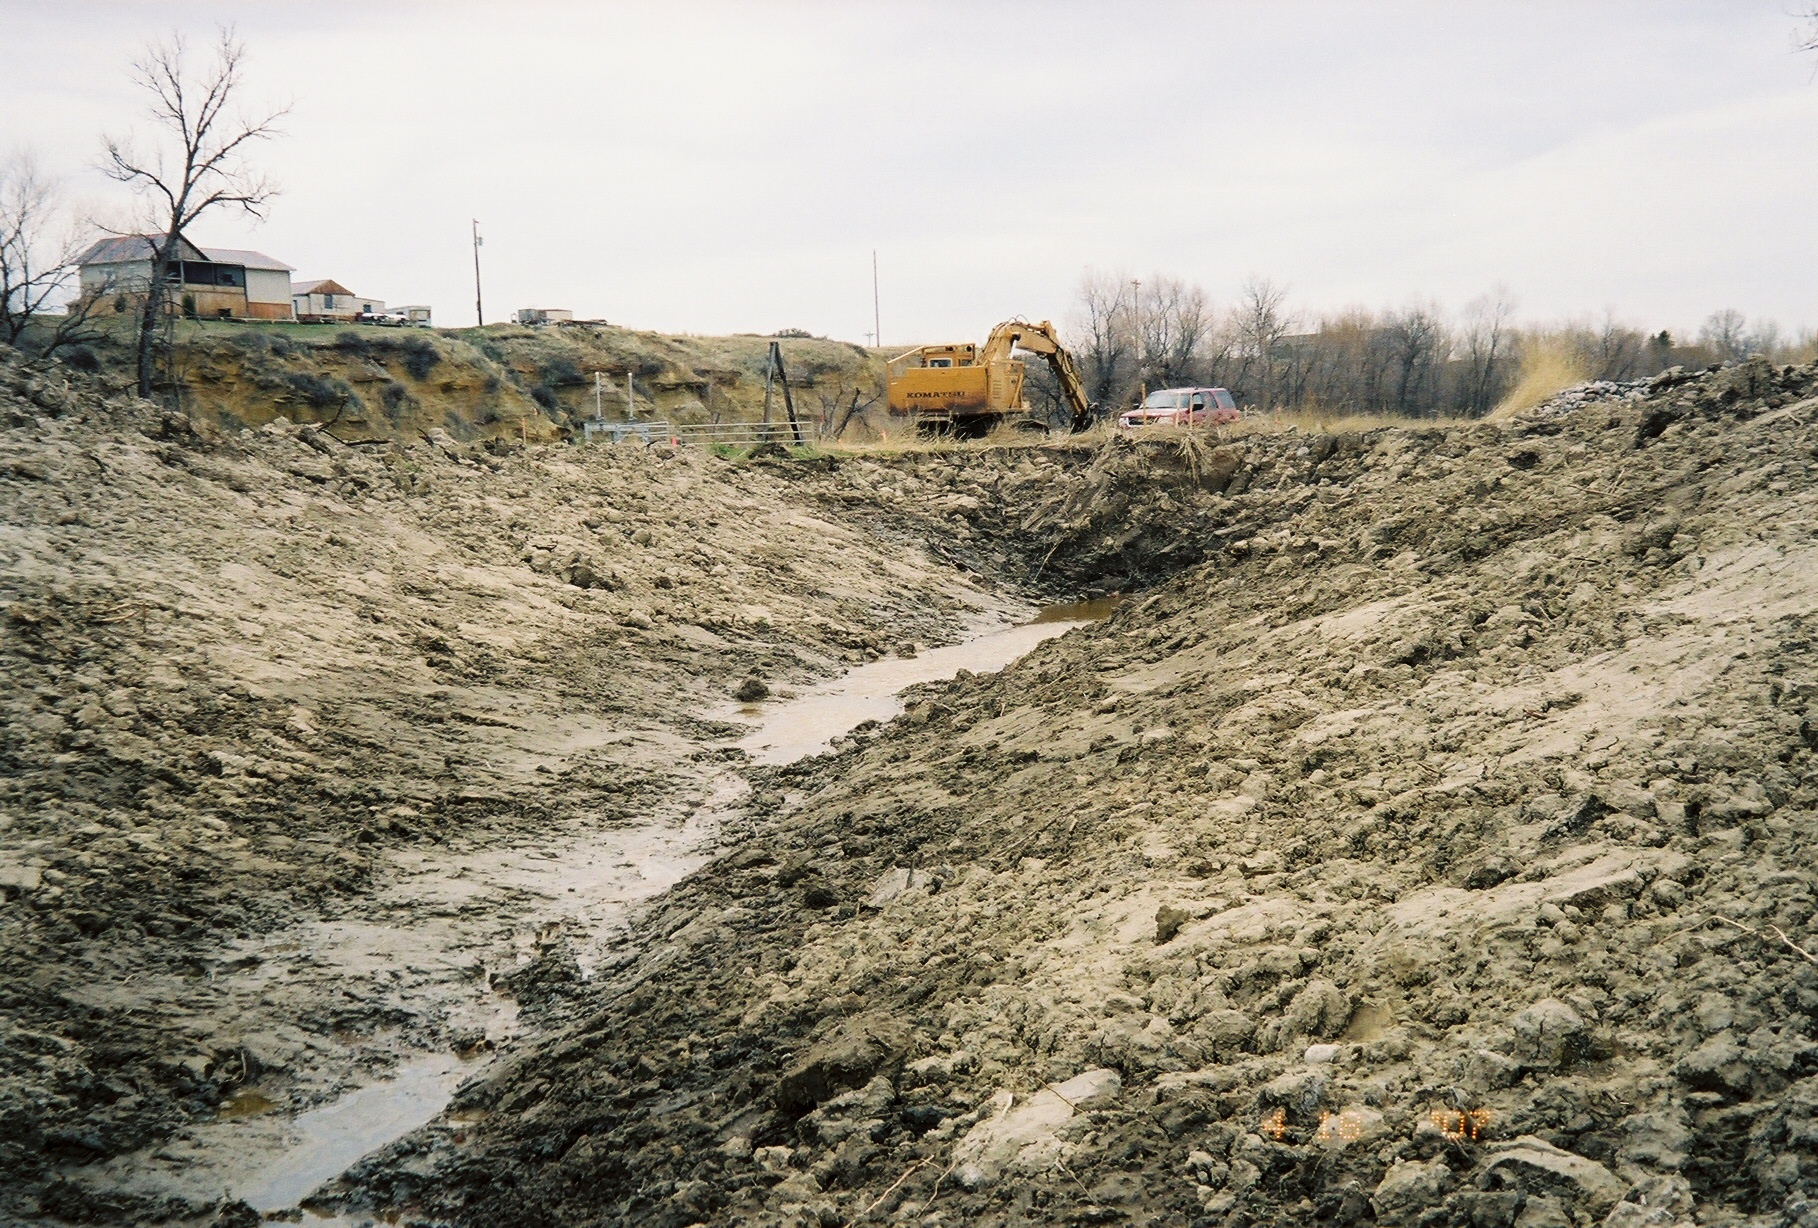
x=966 y=390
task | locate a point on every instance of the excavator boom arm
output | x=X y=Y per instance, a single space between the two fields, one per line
x=1040 y=339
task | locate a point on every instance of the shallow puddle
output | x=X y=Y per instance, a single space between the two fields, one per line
x=806 y=725
x=325 y=1142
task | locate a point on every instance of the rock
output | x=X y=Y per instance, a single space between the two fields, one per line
x=1168 y=921
x=1660 y=1139
x=1409 y=1188
x=856 y=1050
x=1019 y=1134
x=939 y=1068
x=893 y=884
x=1655 y=1201
x=751 y=690
x=1536 y=1167
x=1320 y=1010
x=1226 y=1032
x=1549 y=1033
x=1715 y=1066
x=1090 y=1089
x=16 y=878
x=1317 y=1055
x=1543 y=1211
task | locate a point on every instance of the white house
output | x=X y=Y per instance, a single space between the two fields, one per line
x=544 y=315
x=326 y=301
x=208 y=281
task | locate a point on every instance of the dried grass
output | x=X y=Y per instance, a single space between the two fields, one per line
x=1548 y=368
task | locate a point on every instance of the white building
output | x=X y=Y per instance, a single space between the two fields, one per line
x=327 y=301
x=212 y=281
x=544 y=315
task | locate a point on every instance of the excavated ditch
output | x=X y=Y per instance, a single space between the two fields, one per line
x=1436 y=851
x=1424 y=839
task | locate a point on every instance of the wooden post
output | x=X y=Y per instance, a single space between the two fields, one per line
x=776 y=357
x=769 y=374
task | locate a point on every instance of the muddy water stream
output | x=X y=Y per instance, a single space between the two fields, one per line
x=580 y=885
x=807 y=724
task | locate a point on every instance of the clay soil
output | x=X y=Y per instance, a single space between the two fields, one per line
x=1427 y=840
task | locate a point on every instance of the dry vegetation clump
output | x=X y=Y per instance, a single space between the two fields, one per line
x=1547 y=369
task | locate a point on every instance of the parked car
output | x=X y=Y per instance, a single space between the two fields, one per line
x=1183 y=407
x=389 y=318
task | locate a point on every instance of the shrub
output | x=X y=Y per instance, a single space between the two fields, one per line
x=397 y=400
x=559 y=371
x=420 y=357
x=545 y=396
x=80 y=358
x=318 y=391
x=350 y=342
x=491 y=386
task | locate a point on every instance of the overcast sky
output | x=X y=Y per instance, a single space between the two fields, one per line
x=730 y=167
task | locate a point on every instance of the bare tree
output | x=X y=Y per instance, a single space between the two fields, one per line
x=844 y=397
x=1173 y=322
x=1105 y=336
x=39 y=247
x=196 y=164
x=1259 y=324
x=1420 y=344
x=1487 y=349
x=1724 y=332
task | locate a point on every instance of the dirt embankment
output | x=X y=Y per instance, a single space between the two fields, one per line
x=524 y=385
x=249 y=674
x=1437 y=851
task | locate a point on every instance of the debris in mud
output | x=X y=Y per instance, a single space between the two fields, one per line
x=751 y=690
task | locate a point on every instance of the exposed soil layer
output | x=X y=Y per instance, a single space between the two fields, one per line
x=367 y=382
x=1434 y=850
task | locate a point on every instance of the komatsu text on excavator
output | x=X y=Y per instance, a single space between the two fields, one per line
x=966 y=390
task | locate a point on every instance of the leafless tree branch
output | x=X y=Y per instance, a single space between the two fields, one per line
x=39 y=247
x=197 y=161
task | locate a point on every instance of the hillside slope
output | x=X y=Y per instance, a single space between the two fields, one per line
x=366 y=382
x=1437 y=850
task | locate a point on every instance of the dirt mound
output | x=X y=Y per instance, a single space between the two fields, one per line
x=247 y=672
x=1435 y=851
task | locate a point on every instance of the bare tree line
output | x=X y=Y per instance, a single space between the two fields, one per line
x=1134 y=335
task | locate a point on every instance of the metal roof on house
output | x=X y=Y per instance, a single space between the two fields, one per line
x=326 y=285
x=124 y=249
x=251 y=260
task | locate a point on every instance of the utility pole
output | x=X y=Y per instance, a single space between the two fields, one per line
x=478 y=311
x=877 y=319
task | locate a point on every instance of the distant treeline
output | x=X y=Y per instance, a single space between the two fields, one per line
x=1129 y=335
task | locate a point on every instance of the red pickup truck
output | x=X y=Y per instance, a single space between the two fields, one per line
x=1183 y=407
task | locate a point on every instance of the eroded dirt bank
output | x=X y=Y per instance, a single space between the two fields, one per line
x=1437 y=850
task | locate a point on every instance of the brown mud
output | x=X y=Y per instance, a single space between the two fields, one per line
x=1428 y=843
